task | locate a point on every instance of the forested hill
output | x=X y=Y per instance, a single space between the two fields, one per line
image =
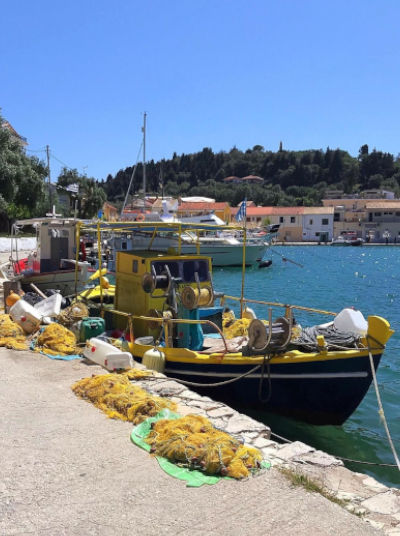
x=290 y=177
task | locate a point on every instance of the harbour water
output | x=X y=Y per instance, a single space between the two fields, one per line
x=366 y=278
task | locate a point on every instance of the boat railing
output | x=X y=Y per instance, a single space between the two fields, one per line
x=166 y=323
x=287 y=307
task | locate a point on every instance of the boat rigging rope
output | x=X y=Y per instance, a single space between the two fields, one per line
x=285 y=259
x=381 y=411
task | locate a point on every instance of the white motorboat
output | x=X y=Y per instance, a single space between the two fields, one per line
x=225 y=250
x=347 y=239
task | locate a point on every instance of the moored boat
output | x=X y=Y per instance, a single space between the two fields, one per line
x=318 y=374
x=51 y=264
x=347 y=239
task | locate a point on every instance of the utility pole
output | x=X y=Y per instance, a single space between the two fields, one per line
x=49 y=175
x=144 y=160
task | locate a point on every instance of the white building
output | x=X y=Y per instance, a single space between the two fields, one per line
x=317 y=224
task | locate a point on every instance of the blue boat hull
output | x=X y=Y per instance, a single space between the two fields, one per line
x=319 y=392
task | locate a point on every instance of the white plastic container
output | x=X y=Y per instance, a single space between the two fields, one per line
x=49 y=307
x=25 y=316
x=351 y=320
x=107 y=355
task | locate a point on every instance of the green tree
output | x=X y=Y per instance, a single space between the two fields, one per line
x=91 y=195
x=21 y=179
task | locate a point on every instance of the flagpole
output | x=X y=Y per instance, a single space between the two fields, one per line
x=243 y=257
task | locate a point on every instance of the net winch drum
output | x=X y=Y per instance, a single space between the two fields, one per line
x=152 y=281
x=192 y=298
x=260 y=341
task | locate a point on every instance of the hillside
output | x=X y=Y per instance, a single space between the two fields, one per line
x=290 y=177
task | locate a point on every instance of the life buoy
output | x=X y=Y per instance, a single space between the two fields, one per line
x=140 y=217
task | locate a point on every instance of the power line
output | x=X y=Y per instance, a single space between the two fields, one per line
x=60 y=161
x=36 y=150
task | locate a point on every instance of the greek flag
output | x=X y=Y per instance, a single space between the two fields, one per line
x=241 y=213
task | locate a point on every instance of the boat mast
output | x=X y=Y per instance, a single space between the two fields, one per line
x=144 y=160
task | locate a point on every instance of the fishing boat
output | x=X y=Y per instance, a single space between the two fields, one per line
x=53 y=263
x=174 y=316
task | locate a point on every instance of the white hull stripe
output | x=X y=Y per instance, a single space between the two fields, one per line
x=317 y=375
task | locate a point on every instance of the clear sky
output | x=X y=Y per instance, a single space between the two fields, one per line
x=78 y=75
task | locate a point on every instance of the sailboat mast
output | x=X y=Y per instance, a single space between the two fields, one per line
x=144 y=158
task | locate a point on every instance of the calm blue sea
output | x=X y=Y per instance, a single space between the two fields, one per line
x=333 y=278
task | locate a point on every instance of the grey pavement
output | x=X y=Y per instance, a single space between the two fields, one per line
x=66 y=469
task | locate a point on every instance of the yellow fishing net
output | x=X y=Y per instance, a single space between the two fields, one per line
x=234 y=328
x=56 y=340
x=119 y=399
x=11 y=334
x=194 y=442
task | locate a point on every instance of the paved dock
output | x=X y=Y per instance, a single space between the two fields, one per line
x=66 y=469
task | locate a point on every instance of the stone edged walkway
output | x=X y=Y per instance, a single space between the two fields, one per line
x=364 y=496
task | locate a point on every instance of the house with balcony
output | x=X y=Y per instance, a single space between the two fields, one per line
x=288 y=218
x=382 y=222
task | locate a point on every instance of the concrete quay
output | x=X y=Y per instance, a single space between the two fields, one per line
x=66 y=469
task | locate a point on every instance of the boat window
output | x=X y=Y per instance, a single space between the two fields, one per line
x=199 y=266
x=135 y=266
x=173 y=266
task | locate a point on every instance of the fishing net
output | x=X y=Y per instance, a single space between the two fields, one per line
x=11 y=334
x=73 y=313
x=119 y=399
x=56 y=340
x=234 y=328
x=193 y=442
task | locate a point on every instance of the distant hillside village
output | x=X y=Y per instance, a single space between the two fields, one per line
x=313 y=195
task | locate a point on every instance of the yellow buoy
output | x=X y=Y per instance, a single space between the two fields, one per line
x=12 y=298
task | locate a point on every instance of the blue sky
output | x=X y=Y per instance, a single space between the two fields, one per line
x=210 y=73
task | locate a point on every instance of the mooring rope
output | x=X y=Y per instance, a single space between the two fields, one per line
x=381 y=411
x=218 y=384
x=286 y=440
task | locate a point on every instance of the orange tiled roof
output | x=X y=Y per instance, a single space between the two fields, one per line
x=270 y=211
x=231 y=178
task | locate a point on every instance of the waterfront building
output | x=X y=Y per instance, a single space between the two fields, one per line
x=382 y=222
x=317 y=224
